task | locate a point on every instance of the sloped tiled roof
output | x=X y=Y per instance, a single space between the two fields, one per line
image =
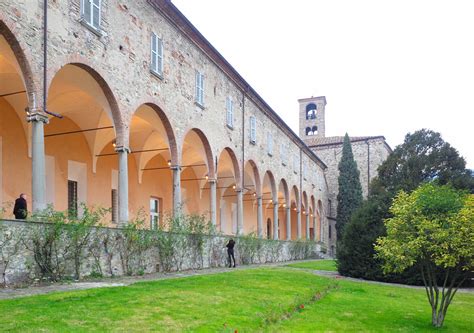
x=336 y=140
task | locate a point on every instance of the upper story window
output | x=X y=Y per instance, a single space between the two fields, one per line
x=269 y=144
x=156 y=55
x=229 y=106
x=199 y=88
x=311 y=111
x=253 y=129
x=283 y=154
x=295 y=163
x=90 y=13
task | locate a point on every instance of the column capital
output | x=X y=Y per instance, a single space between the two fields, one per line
x=212 y=180
x=238 y=190
x=175 y=167
x=122 y=149
x=36 y=115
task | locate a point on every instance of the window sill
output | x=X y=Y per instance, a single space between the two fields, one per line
x=156 y=74
x=270 y=154
x=199 y=104
x=253 y=142
x=97 y=32
x=231 y=127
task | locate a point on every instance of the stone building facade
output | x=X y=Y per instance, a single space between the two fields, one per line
x=130 y=107
x=369 y=153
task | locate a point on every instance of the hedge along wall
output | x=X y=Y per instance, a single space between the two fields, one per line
x=33 y=252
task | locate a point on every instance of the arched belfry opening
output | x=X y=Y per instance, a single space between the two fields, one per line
x=312 y=117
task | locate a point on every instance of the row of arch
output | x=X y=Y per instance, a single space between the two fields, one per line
x=311 y=130
x=92 y=147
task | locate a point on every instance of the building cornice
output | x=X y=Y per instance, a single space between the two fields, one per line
x=175 y=17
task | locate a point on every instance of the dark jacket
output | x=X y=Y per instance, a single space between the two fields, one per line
x=230 y=246
x=20 y=210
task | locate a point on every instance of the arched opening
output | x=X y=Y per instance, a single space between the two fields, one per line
x=269 y=195
x=197 y=168
x=252 y=190
x=305 y=217
x=15 y=86
x=80 y=146
x=284 y=202
x=294 y=201
x=319 y=222
x=311 y=111
x=309 y=132
x=314 y=130
x=313 y=228
x=153 y=152
x=228 y=183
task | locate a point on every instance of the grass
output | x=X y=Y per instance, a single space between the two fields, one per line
x=250 y=300
x=319 y=265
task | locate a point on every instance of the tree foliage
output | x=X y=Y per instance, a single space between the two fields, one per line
x=423 y=157
x=434 y=228
x=349 y=197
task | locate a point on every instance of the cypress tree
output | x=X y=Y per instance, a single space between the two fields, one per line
x=349 y=197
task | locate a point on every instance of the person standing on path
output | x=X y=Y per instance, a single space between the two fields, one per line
x=20 y=210
x=230 y=251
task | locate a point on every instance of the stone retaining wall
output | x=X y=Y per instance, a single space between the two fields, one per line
x=116 y=252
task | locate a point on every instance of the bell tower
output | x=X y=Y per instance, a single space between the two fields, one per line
x=312 y=117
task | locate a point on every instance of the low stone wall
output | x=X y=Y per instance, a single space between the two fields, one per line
x=33 y=252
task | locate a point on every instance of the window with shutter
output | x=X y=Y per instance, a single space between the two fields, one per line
x=72 y=198
x=156 y=55
x=114 y=206
x=269 y=144
x=253 y=129
x=91 y=12
x=283 y=154
x=229 y=112
x=199 y=88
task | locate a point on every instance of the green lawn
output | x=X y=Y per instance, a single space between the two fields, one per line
x=247 y=300
x=320 y=265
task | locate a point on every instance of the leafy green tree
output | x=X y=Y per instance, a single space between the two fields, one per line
x=424 y=156
x=434 y=227
x=349 y=197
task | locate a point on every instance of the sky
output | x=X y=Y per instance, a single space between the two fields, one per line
x=385 y=67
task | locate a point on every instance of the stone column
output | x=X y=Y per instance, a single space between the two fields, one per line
x=213 y=198
x=307 y=225
x=259 y=217
x=275 y=219
x=288 y=223
x=38 y=118
x=298 y=223
x=123 y=183
x=176 y=189
x=240 y=211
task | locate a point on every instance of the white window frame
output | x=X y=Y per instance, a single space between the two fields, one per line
x=155 y=216
x=199 y=88
x=229 y=106
x=89 y=21
x=253 y=129
x=156 y=54
x=283 y=154
x=295 y=163
x=269 y=144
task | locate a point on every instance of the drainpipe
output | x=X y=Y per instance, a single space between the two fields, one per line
x=240 y=208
